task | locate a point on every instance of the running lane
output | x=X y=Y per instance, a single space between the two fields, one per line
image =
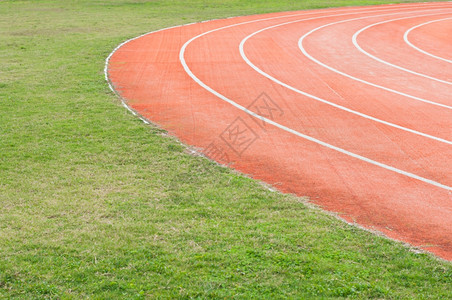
x=245 y=94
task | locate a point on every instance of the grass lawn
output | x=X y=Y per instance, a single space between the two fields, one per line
x=94 y=203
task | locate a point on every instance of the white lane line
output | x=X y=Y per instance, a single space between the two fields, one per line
x=303 y=50
x=355 y=42
x=405 y=38
x=260 y=71
x=287 y=129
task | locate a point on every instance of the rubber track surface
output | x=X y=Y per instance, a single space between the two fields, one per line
x=349 y=106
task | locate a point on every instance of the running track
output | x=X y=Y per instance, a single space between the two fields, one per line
x=350 y=106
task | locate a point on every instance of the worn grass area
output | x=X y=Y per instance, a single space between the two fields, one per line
x=96 y=204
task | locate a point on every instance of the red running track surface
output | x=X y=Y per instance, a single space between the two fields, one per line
x=349 y=106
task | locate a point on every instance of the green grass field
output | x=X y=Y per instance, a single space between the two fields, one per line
x=94 y=203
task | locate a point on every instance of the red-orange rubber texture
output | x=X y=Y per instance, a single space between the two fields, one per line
x=369 y=138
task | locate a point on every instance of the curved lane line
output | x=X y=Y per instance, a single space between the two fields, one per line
x=245 y=58
x=405 y=38
x=287 y=129
x=303 y=50
x=355 y=42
